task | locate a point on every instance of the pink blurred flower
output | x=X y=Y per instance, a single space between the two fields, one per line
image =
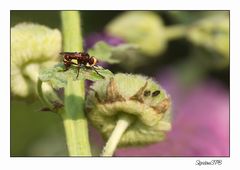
x=200 y=122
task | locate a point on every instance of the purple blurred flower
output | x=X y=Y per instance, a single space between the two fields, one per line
x=200 y=122
x=93 y=38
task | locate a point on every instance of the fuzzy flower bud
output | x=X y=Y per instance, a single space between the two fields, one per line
x=142 y=104
x=142 y=28
x=32 y=46
x=212 y=33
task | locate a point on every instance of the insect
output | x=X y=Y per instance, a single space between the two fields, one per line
x=79 y=59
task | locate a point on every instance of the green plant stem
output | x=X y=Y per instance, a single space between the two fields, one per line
x=122 y=124
x=175 y=32
x=74 y=120
x=72 y=39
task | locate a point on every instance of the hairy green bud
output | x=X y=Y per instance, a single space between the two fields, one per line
x=143 y=28
x=138 y=101
x=33 y=46
x=212 y=33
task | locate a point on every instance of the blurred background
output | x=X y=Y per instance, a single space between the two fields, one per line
x=186 y=52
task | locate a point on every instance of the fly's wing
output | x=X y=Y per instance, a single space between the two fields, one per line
x=68 y=53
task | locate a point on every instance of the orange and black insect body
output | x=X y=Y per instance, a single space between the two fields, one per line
x=81 y=59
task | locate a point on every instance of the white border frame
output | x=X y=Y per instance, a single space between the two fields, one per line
x=117 y=163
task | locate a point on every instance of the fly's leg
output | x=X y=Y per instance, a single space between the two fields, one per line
x=67 y=65
x=79 y=65
x=93 y=68
x=98 y=73
x=78 y=68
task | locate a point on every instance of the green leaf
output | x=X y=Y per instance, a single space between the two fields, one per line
x=115 y=54
x=130 y=56
x=125 y=51
x=58 y=77
x=103 y=52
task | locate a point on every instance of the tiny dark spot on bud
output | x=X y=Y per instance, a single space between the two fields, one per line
x=147 y=93
x=155 y=93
